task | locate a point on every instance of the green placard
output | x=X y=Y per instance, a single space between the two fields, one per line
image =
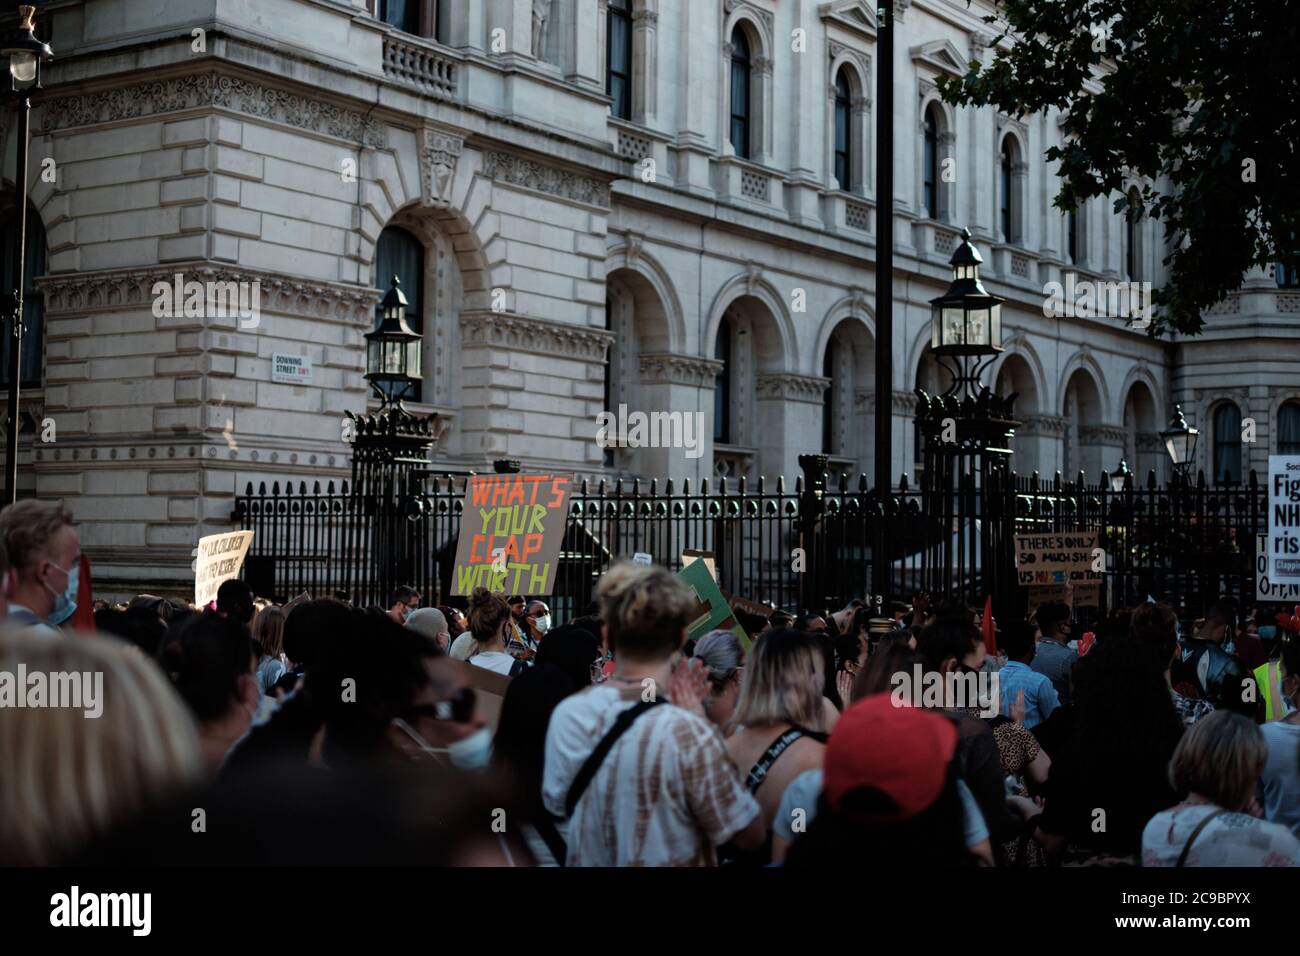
x=714 y=613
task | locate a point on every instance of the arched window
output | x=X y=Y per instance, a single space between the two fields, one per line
x=30 y=370
x=1005 y=192
x=828 y=401
x=403 y=14
x=400 y=254
x=618 y=58
x=1132 y=236
x=1072 y=234
x=843 y=131
x=722 y=385
x=930 y=162
x=609 y=376
x=741 y=71
x=1227 y=442
x=1288 y=429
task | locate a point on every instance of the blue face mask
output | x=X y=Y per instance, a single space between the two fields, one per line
x=65 y=604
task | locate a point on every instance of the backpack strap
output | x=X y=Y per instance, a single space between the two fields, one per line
x=550 y=834
x=1187 y=847
x=516 y=667
x=593 y=762
x=758 y=773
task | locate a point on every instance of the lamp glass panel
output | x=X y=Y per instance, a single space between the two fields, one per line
x=413 y=358
x=954 y=325
x=936 y=327
x=995 y=325
x=374 y=356
x=1176 y=445
x=23 y=66
x=977 y=326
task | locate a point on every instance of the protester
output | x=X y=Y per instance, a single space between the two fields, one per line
x=779 y=619
x=1122 y=729
x=809 y=621
x=779 y=719
x=210 y=662
x=430 y=622
x=1053 y=656
x=1156 y=627
x=573 y=650
x=491 y=624
x=724 y=656
x=268 y=631
x=841 y=620
x=1207 y=670
x=137 y=625
x=538 y=616
x=236 y=603
x=519 y=751
x=892 y=795
x=1016 y=678
x=402 y=602
x=44 y=554
x=70 y=773
x=663 y=790
x=522 y=636
x=1279 y=784
x=1216 y=765
x=456 y=623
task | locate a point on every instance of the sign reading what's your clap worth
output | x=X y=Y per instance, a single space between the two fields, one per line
x=1284 y=519
x=510 y=533
x=219 y=558
x=1056 y=558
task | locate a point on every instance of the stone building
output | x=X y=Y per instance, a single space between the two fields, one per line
x=658 y=204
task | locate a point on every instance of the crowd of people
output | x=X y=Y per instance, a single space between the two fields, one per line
x=321 y=732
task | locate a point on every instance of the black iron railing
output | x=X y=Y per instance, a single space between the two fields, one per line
x=806 y=546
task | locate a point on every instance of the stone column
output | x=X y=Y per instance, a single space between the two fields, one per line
x=678 y=383
x=789 y=420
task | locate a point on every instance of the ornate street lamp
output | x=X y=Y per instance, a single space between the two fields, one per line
x=393 y=350
x=1119 y=476
x=25 y=54
x=966 y=321
x=1180 y=442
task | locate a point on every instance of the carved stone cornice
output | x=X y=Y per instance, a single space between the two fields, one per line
x=1043 y=424
x=196 y=90
x=670 y=368
x=133 y=289
x=530 y=174
x=1104 y=435
x=501 y=330
x=764 y=15
x=439 y=152
x=795 y=388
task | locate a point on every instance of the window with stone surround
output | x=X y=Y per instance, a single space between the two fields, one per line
x=1010 y=192
x=31 y=368
x=1226 y=419
x=400 y=254
x=722 y=385
x=741 y=81
x=843 y=130
x=427 y=18
x=618 y=57
x=1133 y=251
x=1288 y=429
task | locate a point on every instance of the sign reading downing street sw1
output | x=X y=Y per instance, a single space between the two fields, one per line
x=291 y=369
x=1284 y=519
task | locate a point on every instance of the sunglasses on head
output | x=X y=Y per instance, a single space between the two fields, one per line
x=459 y=708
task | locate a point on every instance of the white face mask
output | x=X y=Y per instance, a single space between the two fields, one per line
x=543 y=623
x=470 y=753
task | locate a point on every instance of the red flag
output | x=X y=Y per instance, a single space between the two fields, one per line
x=83 y=619
x=990 y=630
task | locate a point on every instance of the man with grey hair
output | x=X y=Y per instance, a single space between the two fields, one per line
x=432 y=623
x=46 y=560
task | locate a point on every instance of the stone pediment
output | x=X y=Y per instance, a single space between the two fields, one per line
x=856 y=16
x=941 y=56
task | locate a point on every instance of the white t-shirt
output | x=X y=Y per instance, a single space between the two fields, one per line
x=498 y=661
x=1230 y=839
x=666 y=794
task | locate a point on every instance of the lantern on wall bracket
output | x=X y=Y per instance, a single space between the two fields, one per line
x=393 y=350
x=1180 y=441
x=966 y=321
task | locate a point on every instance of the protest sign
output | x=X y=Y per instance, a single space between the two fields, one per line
x=641 y=557
x=489 y=690
x=1055 y=558
x=1284 y=519
x=1086 y=593
x=219 y=558
x=690 y=556
x=510 y=534
x=1265 y=588
x=713 y=612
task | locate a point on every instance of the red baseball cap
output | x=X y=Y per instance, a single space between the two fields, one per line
x=903 y=752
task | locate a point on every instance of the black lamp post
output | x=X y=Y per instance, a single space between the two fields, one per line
x=25 y=54
x=1180 y=442
x=1120 y=476
x=393 y=350
x=967 y=448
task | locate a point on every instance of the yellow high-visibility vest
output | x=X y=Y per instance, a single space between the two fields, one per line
x=1268 y=678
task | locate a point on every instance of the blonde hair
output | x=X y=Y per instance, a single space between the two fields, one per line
x=783 y=681
x=1220 y=758
x=487 y=612
x=67 y=777
x=645 y=608
x=28 y=526
x=268 y=630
